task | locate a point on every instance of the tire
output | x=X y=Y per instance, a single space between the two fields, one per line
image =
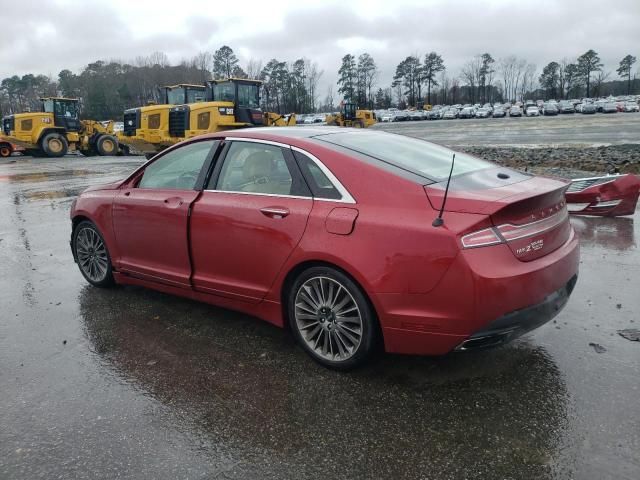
x=5 y=150
x=340 y=342
x=107 y=145
x=149 y=156
x=54 y=145
x=92 y=255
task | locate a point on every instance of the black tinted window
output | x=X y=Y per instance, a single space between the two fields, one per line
x=320 y=185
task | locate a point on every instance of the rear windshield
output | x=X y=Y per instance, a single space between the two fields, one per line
x=418 y=156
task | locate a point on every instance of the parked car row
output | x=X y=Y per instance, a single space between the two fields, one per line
x=528 y=108
x=310 y=118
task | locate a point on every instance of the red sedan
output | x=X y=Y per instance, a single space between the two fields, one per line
x=331 y=232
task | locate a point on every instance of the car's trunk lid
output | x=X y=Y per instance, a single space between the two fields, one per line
x=529 y=212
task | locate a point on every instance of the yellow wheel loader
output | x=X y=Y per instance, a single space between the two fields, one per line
x=272 y=119
x=350 y=116
x=57 y=129
x=147 y=126
x=234 y=103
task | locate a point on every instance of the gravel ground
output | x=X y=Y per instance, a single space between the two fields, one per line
x=564 y=161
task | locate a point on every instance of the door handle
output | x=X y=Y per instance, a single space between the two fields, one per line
x=173 y=202
x=127 y=193
x=275 y=212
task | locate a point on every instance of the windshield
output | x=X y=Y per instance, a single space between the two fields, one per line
x=61 y=108
x=248 y=95
x=418 y=156
x=224 y=92
x=195 y=95
x=176 y=96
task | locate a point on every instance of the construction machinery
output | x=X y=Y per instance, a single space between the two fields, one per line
x=230 y=104
x=149 y=125
x=350 y=116
x=7 y=148
x=57 y=129
x=273 y=119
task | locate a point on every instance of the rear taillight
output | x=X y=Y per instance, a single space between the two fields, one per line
x=508 y=232
x=481 y=238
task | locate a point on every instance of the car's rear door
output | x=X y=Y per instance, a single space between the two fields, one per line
x=248 y=220
x=150 y=216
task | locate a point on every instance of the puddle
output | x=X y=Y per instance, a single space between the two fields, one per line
x=46 y=176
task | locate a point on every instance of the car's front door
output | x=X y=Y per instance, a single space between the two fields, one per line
x=248 y=220
x=150 y=217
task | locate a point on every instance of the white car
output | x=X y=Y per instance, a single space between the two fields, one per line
x=532 y=111
x=631 y=107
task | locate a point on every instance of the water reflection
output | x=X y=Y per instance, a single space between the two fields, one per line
x=244 y=384
x=616 y=233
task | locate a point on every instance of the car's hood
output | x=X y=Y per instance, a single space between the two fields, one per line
x=105 y=186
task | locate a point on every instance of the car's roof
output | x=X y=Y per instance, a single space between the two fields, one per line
x=282 y=132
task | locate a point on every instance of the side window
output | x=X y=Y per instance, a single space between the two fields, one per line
x=320 y=185
x=178 y=169
x=260 y=168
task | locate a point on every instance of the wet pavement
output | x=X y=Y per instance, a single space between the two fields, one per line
x=130 y=383
x=563 y=130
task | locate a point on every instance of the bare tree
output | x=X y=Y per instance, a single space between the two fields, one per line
x=528 y=80
x=598 y=80
x=313 y=76
x=203 y=62
x=507 y=68
x=471 y=74
x=329 y=102
x=445 y=83
x=253 y=68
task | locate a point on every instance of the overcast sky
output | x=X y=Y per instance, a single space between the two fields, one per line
x=49 y=35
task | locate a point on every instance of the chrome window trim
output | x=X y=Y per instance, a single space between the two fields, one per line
x=277 y=195
x=346 y=196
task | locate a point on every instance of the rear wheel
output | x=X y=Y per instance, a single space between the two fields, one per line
x=331 y=318
x=54 y=145
x=5 y=150
x=107 y=145
x=92 y=255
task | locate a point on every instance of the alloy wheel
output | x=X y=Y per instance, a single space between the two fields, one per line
x=92 y=254
x=328 y=318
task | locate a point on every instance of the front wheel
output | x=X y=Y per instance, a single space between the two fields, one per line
x=92 y=255
x=107 y=145
x=55 y=145
x=332 y=319
x=5 y=150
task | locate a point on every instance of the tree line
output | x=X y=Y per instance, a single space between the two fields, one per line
x=107 y=88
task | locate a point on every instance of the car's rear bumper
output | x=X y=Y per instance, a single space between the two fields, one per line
x=519 y=322
x=482 y=286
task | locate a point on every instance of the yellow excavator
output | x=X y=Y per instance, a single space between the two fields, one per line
x=149 y=124
x=350 y=116
x=230 y=104
x=57 y=130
